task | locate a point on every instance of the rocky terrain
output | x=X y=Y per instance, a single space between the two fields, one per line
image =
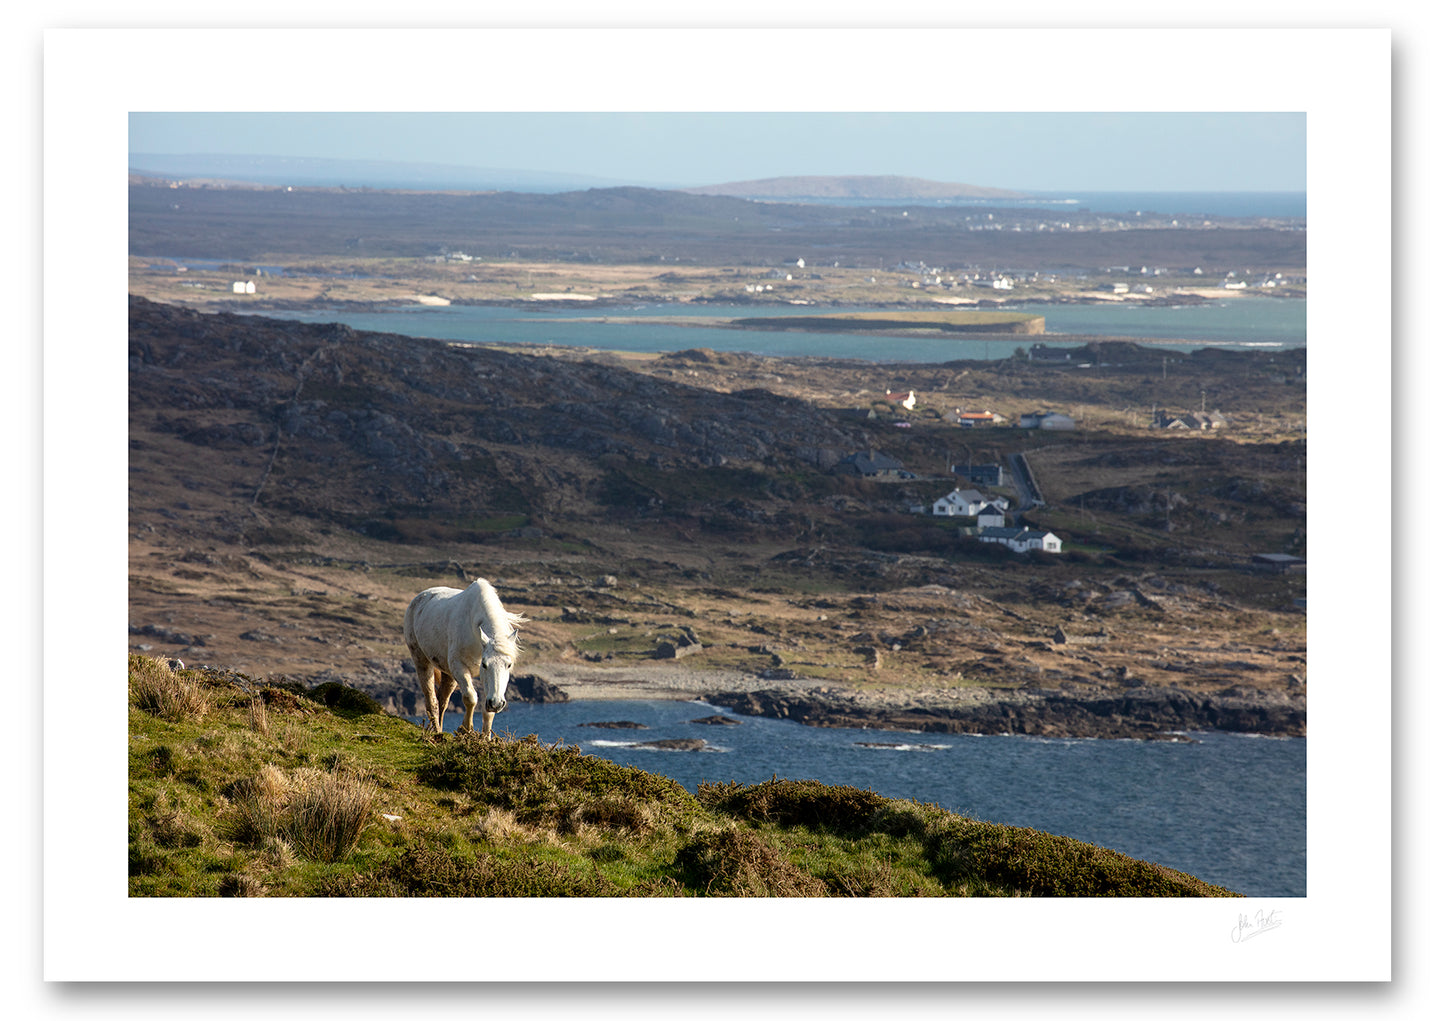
x=675 y=527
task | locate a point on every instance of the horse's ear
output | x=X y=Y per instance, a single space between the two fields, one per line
x=486 y=639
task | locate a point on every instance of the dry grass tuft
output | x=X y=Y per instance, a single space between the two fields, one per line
x=277 y=854
x=260 y=720
x=157 y=689
x=319 y=814
x=328 y=817
x=242 y=885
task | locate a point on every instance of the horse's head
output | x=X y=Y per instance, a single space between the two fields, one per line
x=497 y=660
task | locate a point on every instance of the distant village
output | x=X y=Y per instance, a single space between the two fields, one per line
x=990 y=511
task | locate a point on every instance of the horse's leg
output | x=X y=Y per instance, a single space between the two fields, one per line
x=426 y=677
x=469 y=694
x=487 y=724
x=448 y=685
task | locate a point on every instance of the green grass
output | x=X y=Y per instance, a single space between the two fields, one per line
x=236 y=789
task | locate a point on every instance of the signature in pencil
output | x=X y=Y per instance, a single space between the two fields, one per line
x=1250 y=926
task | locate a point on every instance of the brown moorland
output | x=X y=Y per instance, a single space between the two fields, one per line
x=292 y=486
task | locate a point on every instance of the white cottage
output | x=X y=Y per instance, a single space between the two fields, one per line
x=992 y=516
x=1021 y=540
x=966 y=502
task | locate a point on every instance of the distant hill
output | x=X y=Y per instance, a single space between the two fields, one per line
x=642 y=225
x=314 y=172
x=852 y=187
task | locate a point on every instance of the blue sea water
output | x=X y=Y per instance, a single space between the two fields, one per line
x=1272 y=204
x=1235 y=323
x=1227 y=808
x=1268 y=204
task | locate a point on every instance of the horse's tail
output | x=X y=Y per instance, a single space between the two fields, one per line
x=408 y=623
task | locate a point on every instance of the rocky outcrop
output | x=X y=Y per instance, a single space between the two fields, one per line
x=685 y=644
x=169 y=636
x=530 y=688
x=1136 y=713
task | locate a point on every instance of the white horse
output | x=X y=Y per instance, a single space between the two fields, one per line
x=456 y=635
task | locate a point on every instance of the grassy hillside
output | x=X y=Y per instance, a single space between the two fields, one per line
x=244 y=787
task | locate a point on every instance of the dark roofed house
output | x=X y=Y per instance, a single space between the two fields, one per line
x=992 y=516
x=871 y=463
x=982 y=474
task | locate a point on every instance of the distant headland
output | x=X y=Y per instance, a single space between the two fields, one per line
x=882 y=187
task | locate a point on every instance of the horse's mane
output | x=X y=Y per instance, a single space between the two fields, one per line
x=497 y=621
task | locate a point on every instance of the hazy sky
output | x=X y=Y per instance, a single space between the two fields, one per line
x=1028 y=151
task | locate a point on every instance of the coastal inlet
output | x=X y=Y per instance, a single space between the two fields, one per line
x=1228 y=808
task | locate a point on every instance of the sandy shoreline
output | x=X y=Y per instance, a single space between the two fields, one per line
x=667 y=681
x=1139 y=713
x=586 y=682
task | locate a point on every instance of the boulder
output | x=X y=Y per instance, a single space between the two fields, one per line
x=684 y=645
x=872 y=658
x=530 y=688
x=676 y=744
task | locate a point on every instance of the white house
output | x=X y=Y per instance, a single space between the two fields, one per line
x=243 y=287
x=1032 y=538
x=992 y=516
x=966 y=502
x=905 y=400
x=1021 y=540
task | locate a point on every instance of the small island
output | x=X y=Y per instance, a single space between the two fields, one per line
x=926 y=322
